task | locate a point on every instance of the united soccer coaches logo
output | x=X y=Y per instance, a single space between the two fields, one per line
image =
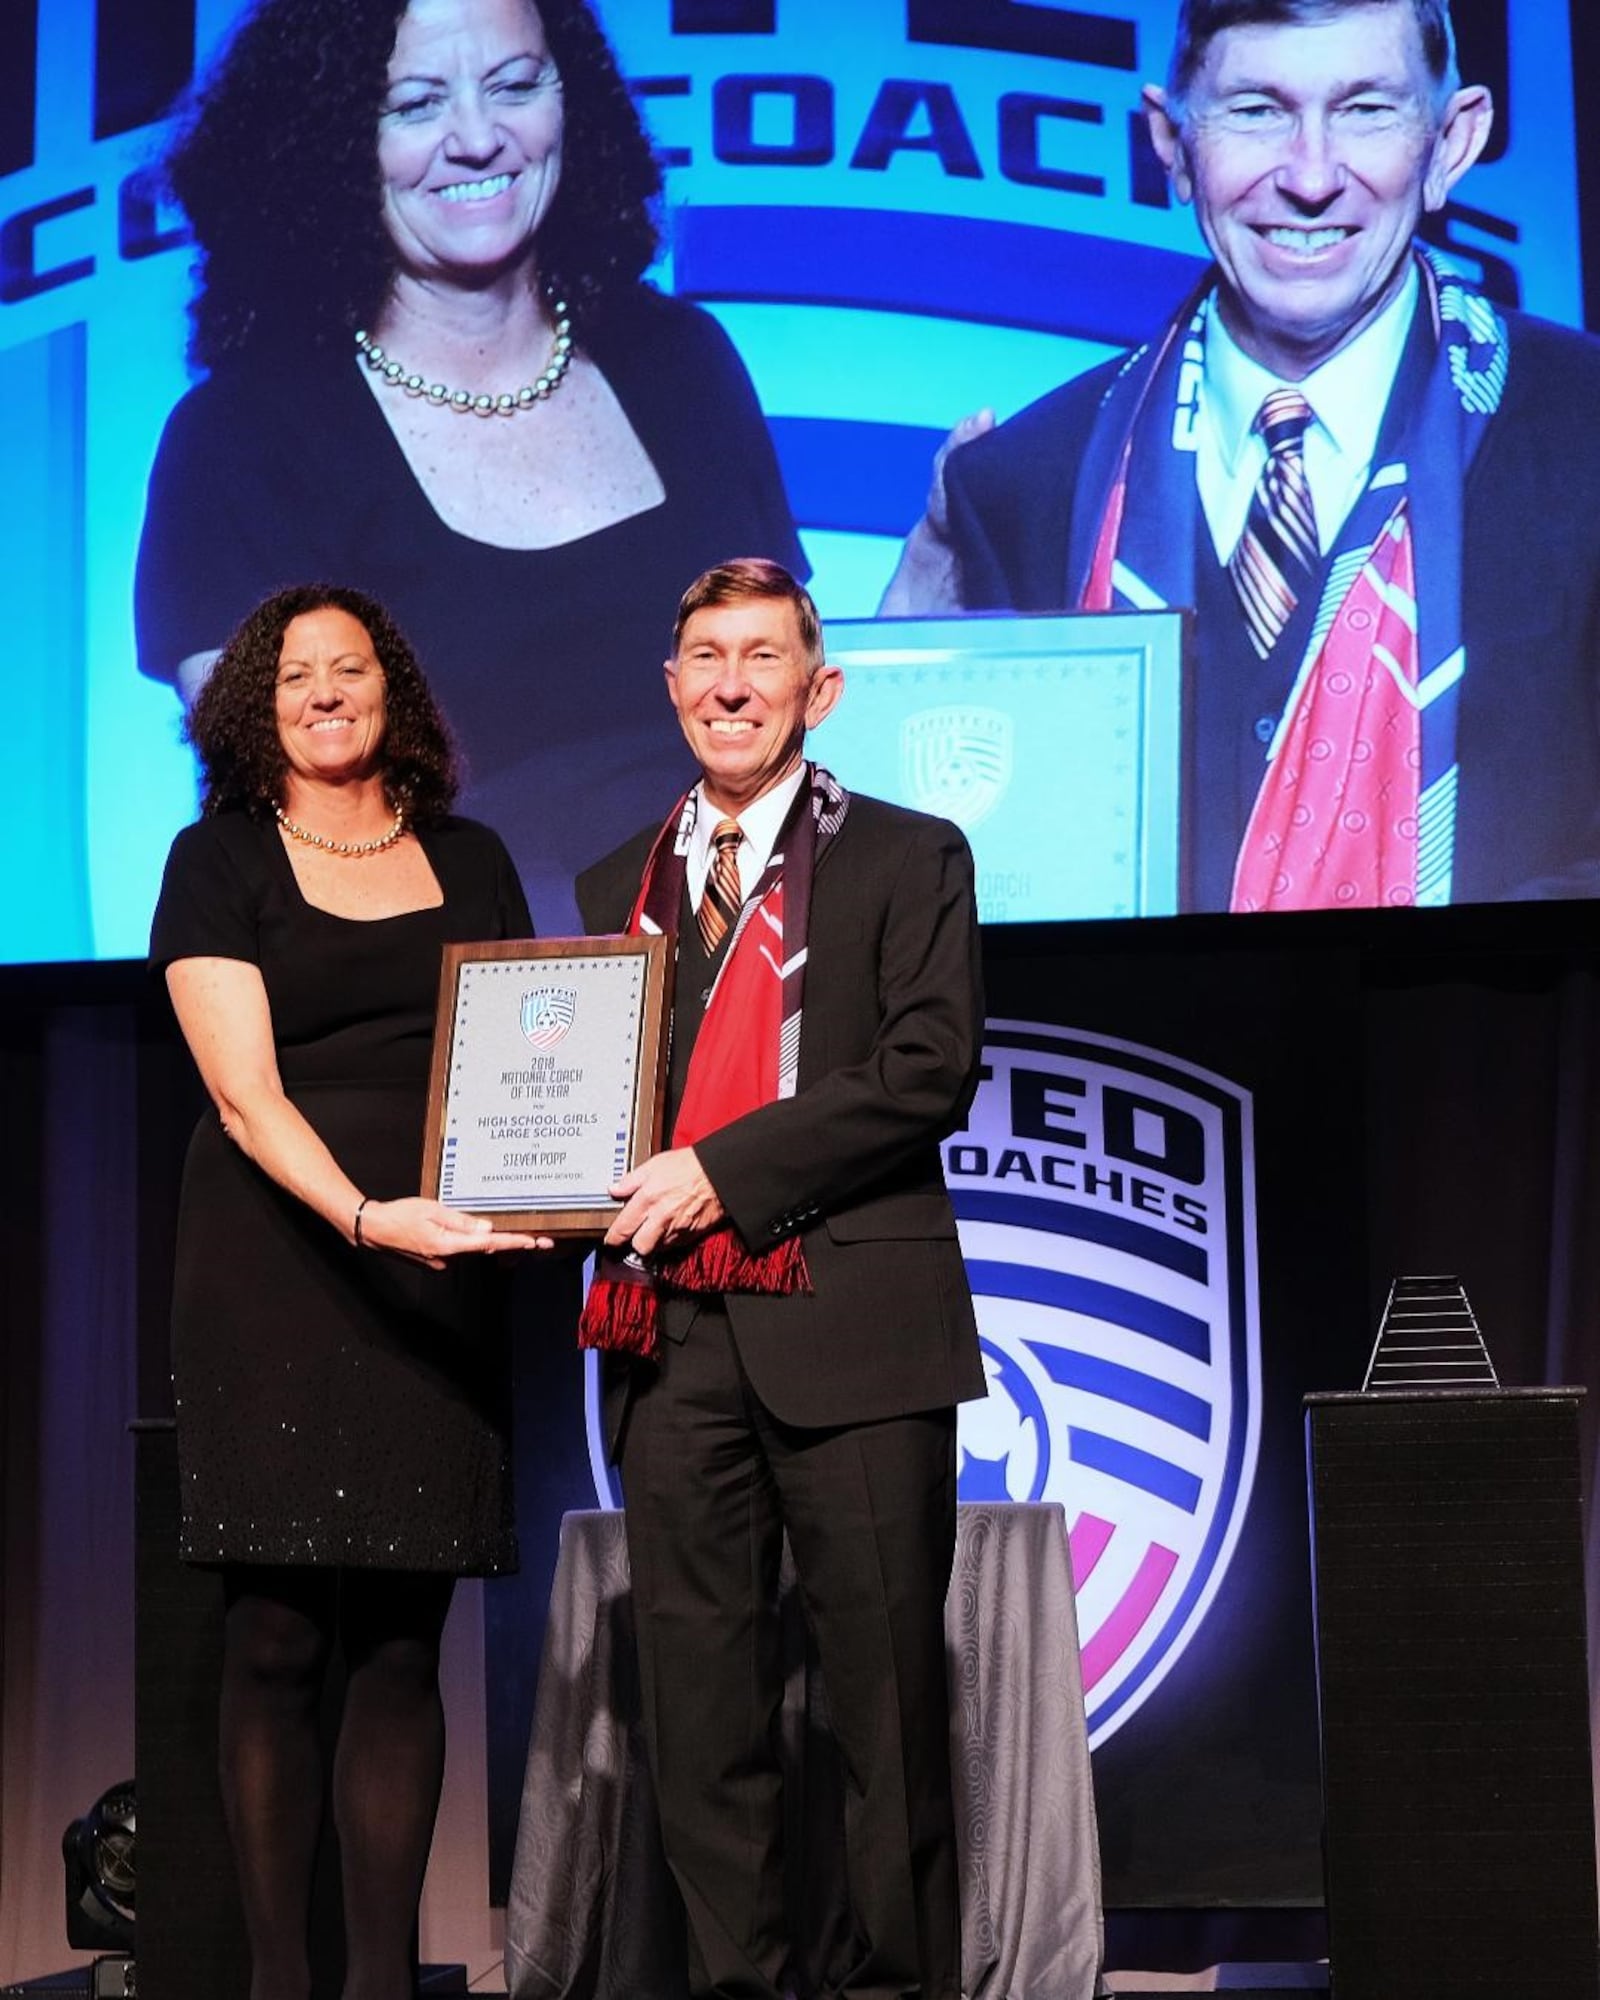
x=1106 y=1200
x=547 y=1013
x=956 y=762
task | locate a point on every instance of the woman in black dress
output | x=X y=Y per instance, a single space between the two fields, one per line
x=339 y=1369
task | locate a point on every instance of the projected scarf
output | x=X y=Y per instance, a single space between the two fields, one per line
x=746 y=1054
x=1357 y=803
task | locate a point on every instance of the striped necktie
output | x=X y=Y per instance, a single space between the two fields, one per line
x=722 y=896
x=1278 y=551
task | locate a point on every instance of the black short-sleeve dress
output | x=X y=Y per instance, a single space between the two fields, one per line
x=334 y=1406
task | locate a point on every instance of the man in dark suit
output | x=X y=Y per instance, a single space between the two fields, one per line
x=795 y=1330
x=1380 y=494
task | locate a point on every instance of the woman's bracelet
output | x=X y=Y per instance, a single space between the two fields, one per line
x=360 y=1241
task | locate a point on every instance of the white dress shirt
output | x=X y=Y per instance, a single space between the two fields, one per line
x=1348 y=395
x=759 y=825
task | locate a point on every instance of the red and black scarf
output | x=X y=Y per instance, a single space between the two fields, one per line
x=746 y=1054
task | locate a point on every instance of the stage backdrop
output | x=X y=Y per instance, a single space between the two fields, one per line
x=901 y=211
x=1414 y=1094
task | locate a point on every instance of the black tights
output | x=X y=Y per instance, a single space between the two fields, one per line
x=280 y=1629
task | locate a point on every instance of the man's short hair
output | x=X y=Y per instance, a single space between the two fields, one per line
x=746 y=577
x=1201 y=21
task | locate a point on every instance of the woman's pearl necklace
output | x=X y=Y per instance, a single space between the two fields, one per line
x=463 y=400
x=343 y=846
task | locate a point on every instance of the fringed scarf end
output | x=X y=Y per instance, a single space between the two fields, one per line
x=619 y=1317
x=721 y=1263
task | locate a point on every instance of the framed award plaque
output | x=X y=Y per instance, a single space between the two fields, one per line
x=549 y=1074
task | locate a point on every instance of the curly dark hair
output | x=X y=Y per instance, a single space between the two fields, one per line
x=275 y=163
x=233 y=724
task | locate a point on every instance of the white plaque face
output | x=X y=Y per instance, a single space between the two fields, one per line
x=539 y=1105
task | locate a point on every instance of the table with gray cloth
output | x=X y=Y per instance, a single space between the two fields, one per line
x=593 y=1913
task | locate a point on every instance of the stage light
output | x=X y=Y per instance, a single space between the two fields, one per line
x=99 y=1854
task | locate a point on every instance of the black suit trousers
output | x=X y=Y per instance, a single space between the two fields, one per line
x=711 y=1480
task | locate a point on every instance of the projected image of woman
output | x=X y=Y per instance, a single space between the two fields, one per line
x=435 y=370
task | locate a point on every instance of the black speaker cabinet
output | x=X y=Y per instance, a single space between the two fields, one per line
x=1457 y=1785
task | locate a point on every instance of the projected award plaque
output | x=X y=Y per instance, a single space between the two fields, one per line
x=549 y=1071
x=1053 y=742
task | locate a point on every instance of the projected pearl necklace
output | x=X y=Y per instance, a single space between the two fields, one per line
x=463 y=401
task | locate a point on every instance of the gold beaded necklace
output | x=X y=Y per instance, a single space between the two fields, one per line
x=344 y=846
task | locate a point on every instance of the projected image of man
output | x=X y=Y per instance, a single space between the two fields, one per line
x=1374 y=486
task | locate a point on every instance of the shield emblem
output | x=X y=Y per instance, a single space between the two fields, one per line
x=547 y=1014
x=1105 y=1198
x=956 y=761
